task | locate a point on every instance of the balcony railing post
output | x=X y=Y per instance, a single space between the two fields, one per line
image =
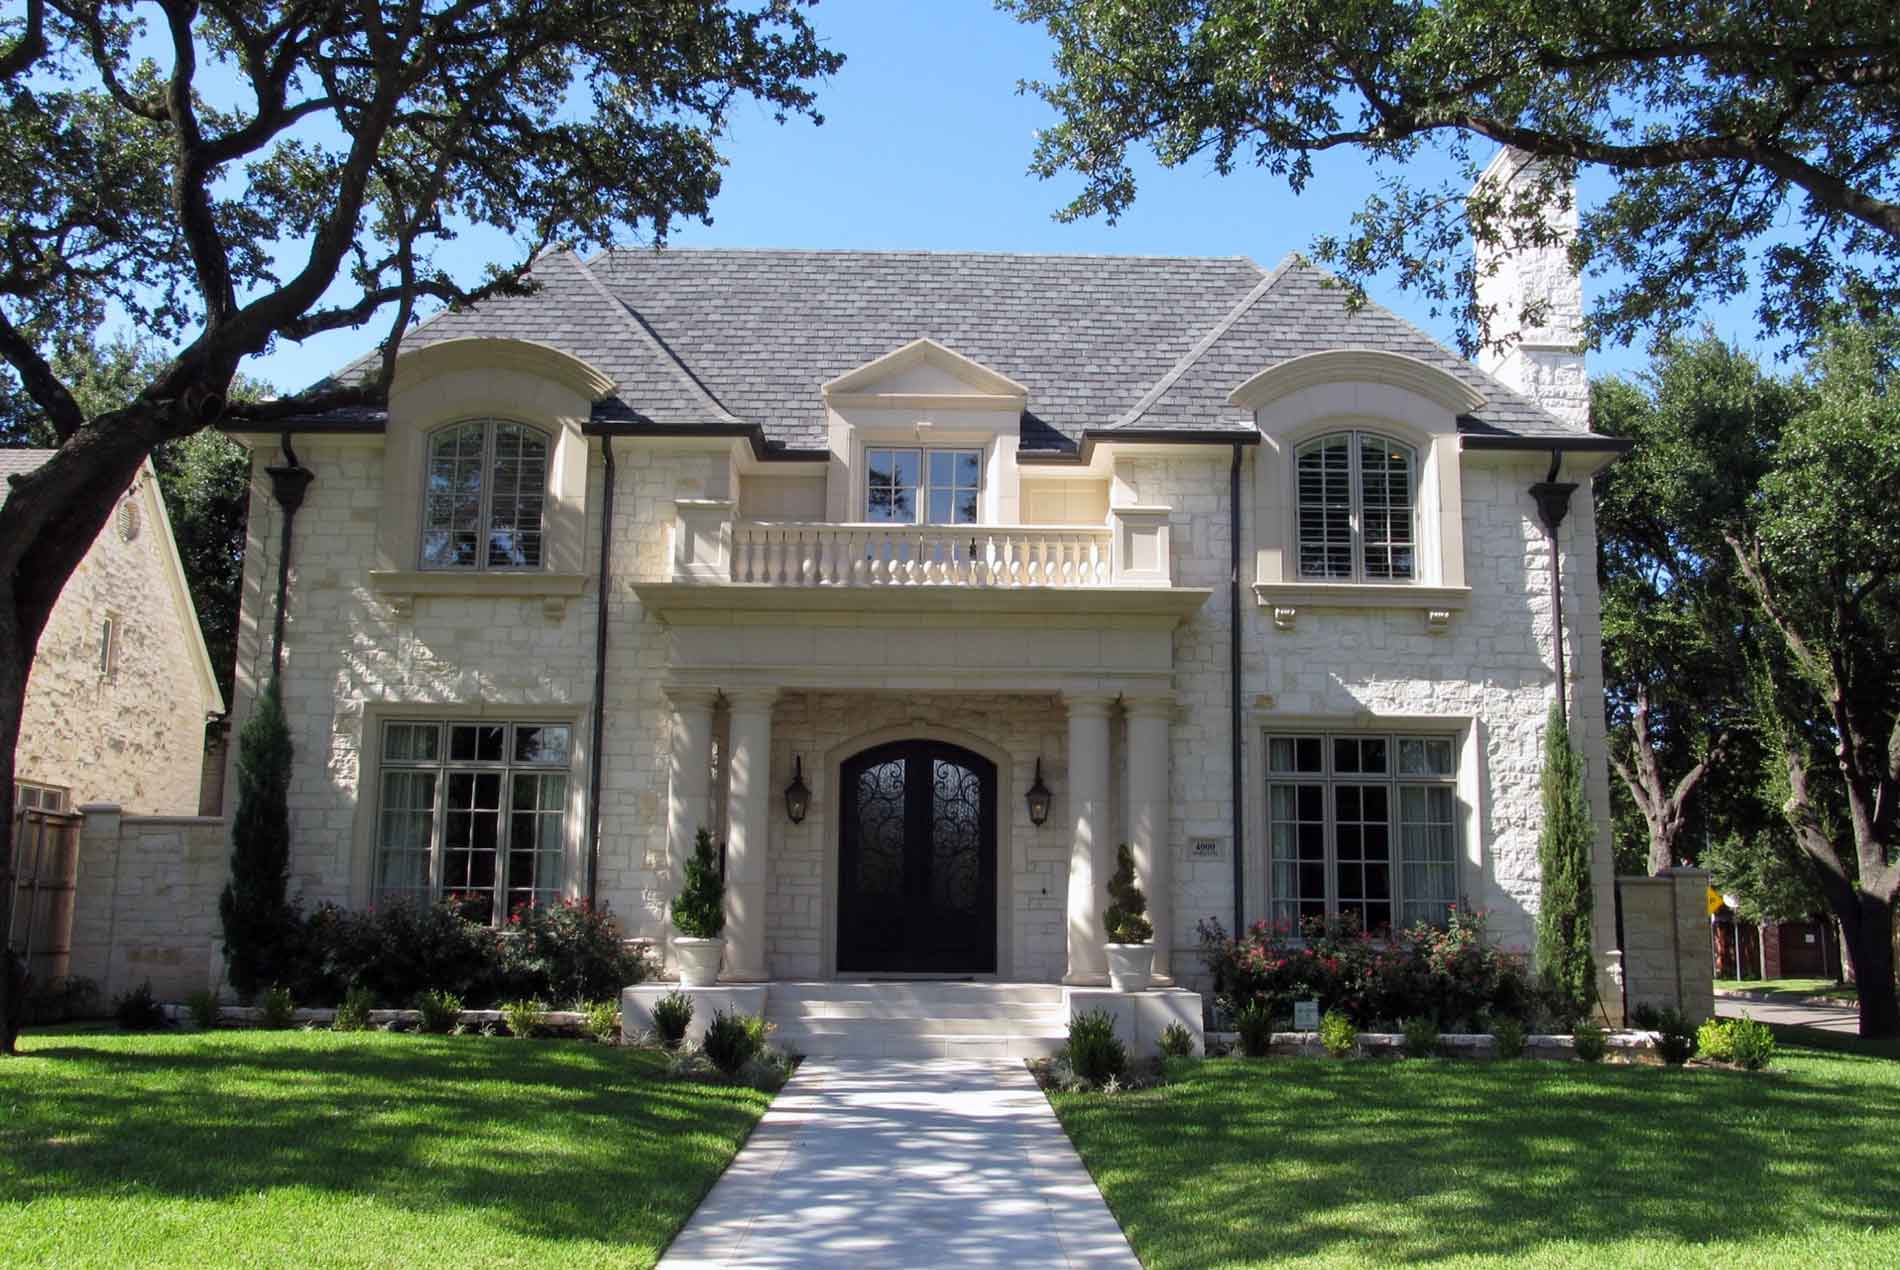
x=709 y=545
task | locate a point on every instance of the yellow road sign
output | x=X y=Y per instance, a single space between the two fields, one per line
x=1715 y=901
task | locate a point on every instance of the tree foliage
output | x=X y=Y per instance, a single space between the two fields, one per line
x=254 y=909
x=1127 y=915
x=699 y=910
x=219 y=176
x=1777 y=502
x=1677 y=618
x=1733 y=134
x=1566 y=967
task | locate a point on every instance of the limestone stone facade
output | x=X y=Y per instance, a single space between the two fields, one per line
x=121 y=686
x=1065 y=601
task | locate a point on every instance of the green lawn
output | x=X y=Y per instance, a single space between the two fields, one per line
x=282 y=1148
x=1794 y=987
x=1530 y=1163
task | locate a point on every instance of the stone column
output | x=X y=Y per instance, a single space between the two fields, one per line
x=1149 y=833
x=1091 y=854
x=689 y=778
x=748 y=821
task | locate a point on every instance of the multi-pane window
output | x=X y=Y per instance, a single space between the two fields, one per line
x=1356 y=502
x=1362 y=825
x=29 y=796
x=935 y=487
x=486 y=490
x=475 y=810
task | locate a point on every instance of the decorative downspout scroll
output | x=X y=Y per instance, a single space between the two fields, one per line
x=288 y=482
x=1553 y=504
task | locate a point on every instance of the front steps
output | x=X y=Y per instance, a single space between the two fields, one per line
x=918 y=1019
x=924 y=1018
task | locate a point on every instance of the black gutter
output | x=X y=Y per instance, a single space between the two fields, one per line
x=1581 y=443
x=1233 y=675
x=1138 y=436
x=604 y=591
x=288 y=483
x=1553 y=502
x=750 y=432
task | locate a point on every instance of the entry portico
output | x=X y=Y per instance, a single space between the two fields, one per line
x=1071 y=683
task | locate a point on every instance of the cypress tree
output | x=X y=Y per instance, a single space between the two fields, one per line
x=1565 y=964
x=255 y=908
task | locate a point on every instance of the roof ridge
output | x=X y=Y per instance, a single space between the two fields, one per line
x=1186 y=362
x=641 y=331
x=920 y=251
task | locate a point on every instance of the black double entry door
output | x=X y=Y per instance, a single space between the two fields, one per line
x=917 y=861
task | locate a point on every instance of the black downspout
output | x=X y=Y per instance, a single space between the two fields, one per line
x=288 y=482
x=1553 y=503
x=605 y=590
x=1233 y=675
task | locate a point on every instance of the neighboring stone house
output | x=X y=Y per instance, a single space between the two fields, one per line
x=121 y=685
x=918 y=533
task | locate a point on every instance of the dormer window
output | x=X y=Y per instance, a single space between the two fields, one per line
x=1357 y=495
x=932 y=486
x=484 y=496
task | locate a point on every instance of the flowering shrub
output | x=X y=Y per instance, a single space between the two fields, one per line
x=567 y=951
x=1447 y=974
x=558 y=952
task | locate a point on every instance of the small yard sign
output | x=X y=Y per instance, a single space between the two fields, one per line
x=1306 y=1016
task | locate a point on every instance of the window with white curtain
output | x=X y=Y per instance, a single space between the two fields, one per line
x=475 y=810
x=1356 y=509
x=484 y=496
x=1362 y=824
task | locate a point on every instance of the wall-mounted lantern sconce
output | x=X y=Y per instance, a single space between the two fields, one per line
x=1039 y=799
x=797 y=794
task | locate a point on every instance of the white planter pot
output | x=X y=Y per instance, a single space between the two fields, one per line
x=698 y=960
x=1131 y=967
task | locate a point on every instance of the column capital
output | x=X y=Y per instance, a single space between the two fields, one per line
x=750 y=698
x=1150 y=706
x=1088 y=705
x=691 y=696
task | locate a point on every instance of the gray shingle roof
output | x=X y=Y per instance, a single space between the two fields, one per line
x=699 y=337
x=20 y=462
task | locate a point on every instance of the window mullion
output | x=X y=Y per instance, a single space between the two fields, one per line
x=487 y=527
x=1355 y=502
x=438 y=816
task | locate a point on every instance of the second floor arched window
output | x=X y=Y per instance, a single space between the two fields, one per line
x=484 y=496
x=1356 y=500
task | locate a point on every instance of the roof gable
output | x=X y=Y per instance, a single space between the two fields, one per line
x=924 y=372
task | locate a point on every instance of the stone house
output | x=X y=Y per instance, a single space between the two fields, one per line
x=122 y=685
x=1254 y=583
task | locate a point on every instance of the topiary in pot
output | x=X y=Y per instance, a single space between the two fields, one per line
x=1131 y=955
x=699 y=915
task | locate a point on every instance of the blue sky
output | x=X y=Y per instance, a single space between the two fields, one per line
x=926 y=145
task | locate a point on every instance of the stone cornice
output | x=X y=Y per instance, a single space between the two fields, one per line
x=1358 y=365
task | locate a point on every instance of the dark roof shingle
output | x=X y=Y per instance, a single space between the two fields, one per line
x=717 y=336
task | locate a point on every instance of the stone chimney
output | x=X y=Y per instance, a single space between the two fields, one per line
x=1543 y=360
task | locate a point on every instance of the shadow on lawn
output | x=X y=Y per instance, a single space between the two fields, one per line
x=1292 y=1159
x=554 y=1140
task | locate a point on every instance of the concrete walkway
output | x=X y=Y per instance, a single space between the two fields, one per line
x=888 y=1162
x=1831 y=1018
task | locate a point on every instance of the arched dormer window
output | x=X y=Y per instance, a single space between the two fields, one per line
x=1357 y=495
x=484 y=495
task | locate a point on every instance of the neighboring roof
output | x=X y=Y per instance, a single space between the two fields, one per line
x=734 y=340
x=23 y=461
x=18 y=462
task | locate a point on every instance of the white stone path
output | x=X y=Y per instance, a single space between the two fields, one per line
x=892 y=1162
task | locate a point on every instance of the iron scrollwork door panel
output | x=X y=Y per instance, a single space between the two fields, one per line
x=917 y=861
